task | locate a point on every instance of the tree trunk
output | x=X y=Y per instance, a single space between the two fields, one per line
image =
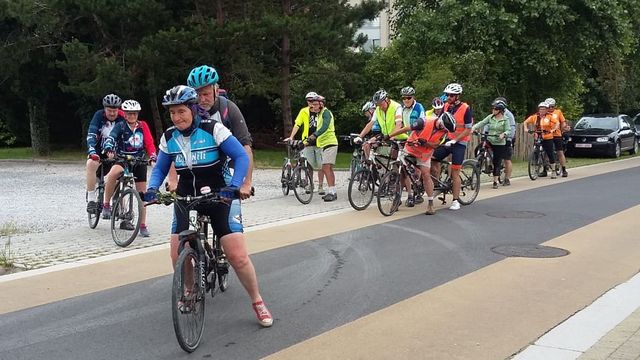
x=157 y=121
x=220 y=12
x=38 y=126
x=285 y=72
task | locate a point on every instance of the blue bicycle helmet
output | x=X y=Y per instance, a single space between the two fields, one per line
x=202 y=76
x=180 y=95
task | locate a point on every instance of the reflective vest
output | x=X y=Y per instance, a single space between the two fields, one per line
x=428 y=133
x=459 y=116
x=387 y=120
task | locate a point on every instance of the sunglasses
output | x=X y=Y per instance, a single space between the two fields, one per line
x=407 y=98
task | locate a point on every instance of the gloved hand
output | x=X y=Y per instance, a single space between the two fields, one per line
x=110 y=153
x=93 y=156
x=357 y=140
x=385 y=137
x=153 y=158
x=151 y=195
x=229 y=192
x=450 y=143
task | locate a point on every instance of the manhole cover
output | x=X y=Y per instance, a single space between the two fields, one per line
x=516 y=214
x=530 y=251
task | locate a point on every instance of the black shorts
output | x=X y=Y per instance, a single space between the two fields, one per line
x=557 y=143
x=140 y=173
x=508 y=152
x=225 y=219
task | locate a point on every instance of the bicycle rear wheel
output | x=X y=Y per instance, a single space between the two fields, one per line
x=535 y=161
x=285 y=179
x=302 y=184
x=361 y=188
x=94 y=217
x=389 y=193
x=125 y=217
x=187 y=301
x=469 y=182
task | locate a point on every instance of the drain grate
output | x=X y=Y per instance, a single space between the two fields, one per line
x=516 y=214
x=530 y=251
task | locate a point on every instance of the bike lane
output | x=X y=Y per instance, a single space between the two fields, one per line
x=346 y=279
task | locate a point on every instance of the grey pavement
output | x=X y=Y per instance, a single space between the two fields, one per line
x=45 y=203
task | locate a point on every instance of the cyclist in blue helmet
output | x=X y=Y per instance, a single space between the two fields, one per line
x=195 y=145
x=204 y=79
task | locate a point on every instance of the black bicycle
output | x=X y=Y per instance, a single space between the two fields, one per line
x=364 y=182
x=296 y=172
x=538 y=159
x=126 y=203
x=357 y=156
x=390 y=190
x=93 y=215
x=200 y=267
x=469 y=182
x=484 y=158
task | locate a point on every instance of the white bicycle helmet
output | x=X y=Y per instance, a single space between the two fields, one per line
x=112 y=101
x=453 y=88
x=407 y=91
x=543 y=104
x=551 y=102
x=131 y=105
x=312 y=95
x=369 y=105
x=437 y=103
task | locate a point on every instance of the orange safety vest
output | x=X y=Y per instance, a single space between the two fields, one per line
x=428 y=133
x=459 y=116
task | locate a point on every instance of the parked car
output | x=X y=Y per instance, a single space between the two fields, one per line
x=608 y=134
x=636 y=122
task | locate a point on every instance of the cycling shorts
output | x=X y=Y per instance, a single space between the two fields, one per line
x=558 y=143
x=457 y=152
x=508 y=153
x=225 y=219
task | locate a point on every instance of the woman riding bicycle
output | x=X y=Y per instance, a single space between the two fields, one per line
x=198 y=146
x=499 y=131
x=133 y=138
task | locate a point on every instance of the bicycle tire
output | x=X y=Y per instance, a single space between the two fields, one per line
x=94 y=218
x=469 y=182
x=361 y=189
x=389 y=193
x=534 y=165
x=188 y=332
x=124 y=209
x=285 y=179
x=302 y=184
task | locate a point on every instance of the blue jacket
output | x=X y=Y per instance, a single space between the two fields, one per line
x=99 y=129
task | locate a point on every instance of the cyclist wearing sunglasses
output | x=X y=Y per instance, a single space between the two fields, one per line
x=499 y=131
x=457 y=144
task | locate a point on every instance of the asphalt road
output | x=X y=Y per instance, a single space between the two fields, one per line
x=317 y=285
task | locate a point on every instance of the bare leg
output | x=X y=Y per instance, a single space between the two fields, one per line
x=110 y=183
x=236 y=250
x=92 y=167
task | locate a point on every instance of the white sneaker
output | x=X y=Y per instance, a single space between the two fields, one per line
x=455 y=205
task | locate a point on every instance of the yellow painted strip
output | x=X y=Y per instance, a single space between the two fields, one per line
x=494 y=312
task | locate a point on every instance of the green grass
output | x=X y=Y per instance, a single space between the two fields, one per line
x=269 y=159
x=6 y=256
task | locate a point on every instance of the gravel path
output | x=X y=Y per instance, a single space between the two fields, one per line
x=45 y=202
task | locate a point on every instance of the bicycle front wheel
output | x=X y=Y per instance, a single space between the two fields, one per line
x=361 y=189
x=534 y=165
x=302 y=184
x=389 y=193
x=285 y=179
x=94 y=216
x=469 y=182
x=125 y=217
x=187 y=301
